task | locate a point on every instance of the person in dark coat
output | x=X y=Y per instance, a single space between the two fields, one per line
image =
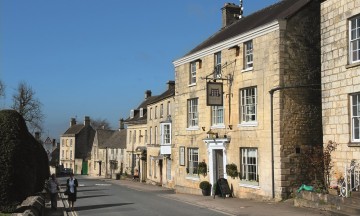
x=71 y=187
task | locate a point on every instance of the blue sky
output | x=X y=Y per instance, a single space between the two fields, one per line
x=97 y=57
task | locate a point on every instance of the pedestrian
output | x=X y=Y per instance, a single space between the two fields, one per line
x=53 y=185
x=71 y=187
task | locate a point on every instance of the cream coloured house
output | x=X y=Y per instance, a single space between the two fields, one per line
x=249 y=95
x=340 y=48
x=75 y=146
x=159 y=122
x=137 y=139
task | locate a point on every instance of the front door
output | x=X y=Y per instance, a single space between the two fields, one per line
x=218 y=164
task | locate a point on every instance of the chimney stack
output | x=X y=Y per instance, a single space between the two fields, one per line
x=72 y=122
x=121 y=124
x=170 y=84
x=54 y=143
x=87 y=121
x=147 y=94
x=230 y=13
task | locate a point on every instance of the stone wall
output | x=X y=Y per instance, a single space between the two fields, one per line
x=339 y=80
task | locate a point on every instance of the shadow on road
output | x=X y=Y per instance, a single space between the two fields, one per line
x=83 y=208
x=84 y=197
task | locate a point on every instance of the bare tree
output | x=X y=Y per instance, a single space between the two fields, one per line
x=2 y=89
x=100 y=124
x=28 y=106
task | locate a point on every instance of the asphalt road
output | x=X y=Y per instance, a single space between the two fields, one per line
x=97 y=197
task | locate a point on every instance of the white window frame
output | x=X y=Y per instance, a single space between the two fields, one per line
x=249 y=172
x=217 y=116
x=192 y=73
x=131 y=113
x=192 y=161
x=193 y=114
x=165 y=134
x=141 y=112
x=248 y=55
x=248 y=106
x=354 y=40
x=355 y=117
x=217 y=65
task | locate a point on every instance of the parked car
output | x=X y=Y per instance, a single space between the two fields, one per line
x=66 y=171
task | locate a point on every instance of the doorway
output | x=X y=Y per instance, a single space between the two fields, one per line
x=218 y=164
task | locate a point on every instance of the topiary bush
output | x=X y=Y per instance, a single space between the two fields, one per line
x=24 y=164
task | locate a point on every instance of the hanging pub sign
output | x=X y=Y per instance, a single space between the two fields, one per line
x=214 y=93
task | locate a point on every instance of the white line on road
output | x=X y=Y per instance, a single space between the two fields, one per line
x=103 y=184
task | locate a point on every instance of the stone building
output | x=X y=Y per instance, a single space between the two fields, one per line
x=99 y=158
x=159 y=143
x=108 y=152
x=75 y=146
x=137 y=138
x=340 y=78
x=249 y=96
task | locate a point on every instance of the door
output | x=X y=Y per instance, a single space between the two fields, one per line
x=219 y=164
x=84 y=168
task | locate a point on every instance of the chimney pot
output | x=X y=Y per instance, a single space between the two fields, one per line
x=170 y=84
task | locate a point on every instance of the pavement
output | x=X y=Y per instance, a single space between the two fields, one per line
x=227 y=206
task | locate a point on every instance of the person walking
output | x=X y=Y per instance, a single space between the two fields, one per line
x=71 y=187
x=53 y=189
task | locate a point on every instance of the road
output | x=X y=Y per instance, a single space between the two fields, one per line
x=96 y=197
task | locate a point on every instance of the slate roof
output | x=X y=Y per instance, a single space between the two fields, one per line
x=117 y=140
x=75 y=129
x=102 y=136
x=281 y=10
x=166 y=94
x=137 y=119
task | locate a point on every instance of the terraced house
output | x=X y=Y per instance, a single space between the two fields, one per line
x=249 y=96
x=159 y=122
x=138 y=138
x=340 y=44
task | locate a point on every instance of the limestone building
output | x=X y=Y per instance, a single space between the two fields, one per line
x=137 y=138
x=249 y=96
x=340 y=77
x=75 y=146
x=159 y=143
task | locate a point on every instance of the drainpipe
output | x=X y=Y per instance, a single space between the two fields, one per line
x=272 y=91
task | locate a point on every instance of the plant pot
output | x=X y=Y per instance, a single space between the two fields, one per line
x=206 y=192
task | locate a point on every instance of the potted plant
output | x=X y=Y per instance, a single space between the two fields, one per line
x=202 y=168
x=231 y=170
x=205 y=187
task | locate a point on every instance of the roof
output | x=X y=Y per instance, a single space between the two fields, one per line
x=75 y=129
x=281 y=10
x=117 y=140
x=166 y=94
x=102 y=136
x=137 y=119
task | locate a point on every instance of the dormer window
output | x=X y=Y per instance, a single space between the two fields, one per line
x=141 y=112
x=131 y=113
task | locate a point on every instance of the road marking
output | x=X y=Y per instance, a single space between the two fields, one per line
x=103 y=184
x=81 y=185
